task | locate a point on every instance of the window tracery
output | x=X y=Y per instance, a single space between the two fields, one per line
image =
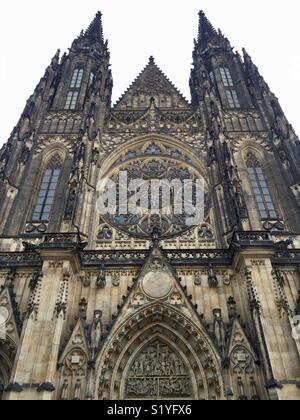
x=166 y=172
x=260 y=188
x=45 y=199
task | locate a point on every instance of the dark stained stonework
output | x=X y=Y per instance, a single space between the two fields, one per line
x=83 y=319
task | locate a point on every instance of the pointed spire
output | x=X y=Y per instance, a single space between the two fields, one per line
x=247 y=57
x=95 y=30
x=206 y=29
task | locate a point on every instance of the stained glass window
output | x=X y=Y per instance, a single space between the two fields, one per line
x=75 y=86
x=231 y=93
x=45 y=199
x=260 y=189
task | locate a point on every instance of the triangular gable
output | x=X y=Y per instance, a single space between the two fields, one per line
x=238 y=338
x=78 y=340
x=157 y=313
x=157 y=282
x=151 y=84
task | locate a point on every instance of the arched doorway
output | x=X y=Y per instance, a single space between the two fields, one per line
x=158 y=353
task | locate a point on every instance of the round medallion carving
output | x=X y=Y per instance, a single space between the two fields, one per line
x=157 y=285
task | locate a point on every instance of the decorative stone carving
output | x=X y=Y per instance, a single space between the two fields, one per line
x=36 y=227
x=205 y=232
x=158 y=372
x=143 y=223
x=116 y=281
x=156 y=264
x=101 y=278
x=176 y=299
x=86 y=279
x=157 y=285
x=55 y=264
x=242 y=360
x=213 y=281
x=138 y=299
x=197 y=279
x=96 y=332
x=75 y=362
x=105 y=233
x=35 y=297
x=280 y=294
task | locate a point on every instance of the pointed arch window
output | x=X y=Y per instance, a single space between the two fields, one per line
x=231 y=93
x=75 y=86
x=226 y=77
x=77 y=79
x=45 y=199
x=260 y=189
x=232 y=98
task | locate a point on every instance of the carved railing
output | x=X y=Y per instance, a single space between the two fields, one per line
x=54 y=238
x=175 y=257
x=200 y=257
x=253 y=238
x=191 y=257
x=94 y=258
x=287 y=256
x=138 y=258
x=19 y=259
x=62 y=240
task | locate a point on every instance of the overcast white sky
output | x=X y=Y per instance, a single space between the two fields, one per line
x=32 y=30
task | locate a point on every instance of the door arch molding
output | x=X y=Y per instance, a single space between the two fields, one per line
x=164 y=322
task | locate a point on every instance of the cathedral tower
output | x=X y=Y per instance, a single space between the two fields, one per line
x=141 y=305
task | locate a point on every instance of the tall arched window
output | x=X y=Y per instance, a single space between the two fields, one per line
x=45 y=199
x=260 y=188
x=74 y=89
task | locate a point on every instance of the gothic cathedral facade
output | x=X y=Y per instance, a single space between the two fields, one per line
x=116 y=307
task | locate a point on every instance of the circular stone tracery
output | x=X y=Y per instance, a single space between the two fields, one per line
x=144 y=223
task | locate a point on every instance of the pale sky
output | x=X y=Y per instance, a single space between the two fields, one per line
x=31 y=31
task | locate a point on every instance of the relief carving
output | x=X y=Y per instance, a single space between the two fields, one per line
x=158 y=372
x=242 y=360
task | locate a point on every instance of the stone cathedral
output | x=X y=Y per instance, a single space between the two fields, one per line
x=140 y=307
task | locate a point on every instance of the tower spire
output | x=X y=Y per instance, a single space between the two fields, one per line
x=206 y=29
x=95 y=31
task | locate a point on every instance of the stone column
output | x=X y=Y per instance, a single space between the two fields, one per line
x=277 y=346
x=34 y=373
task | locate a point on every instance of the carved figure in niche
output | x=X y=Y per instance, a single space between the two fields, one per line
x=96 y=332
x=101 y=278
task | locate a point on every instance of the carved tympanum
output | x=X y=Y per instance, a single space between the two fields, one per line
x=158 y=372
